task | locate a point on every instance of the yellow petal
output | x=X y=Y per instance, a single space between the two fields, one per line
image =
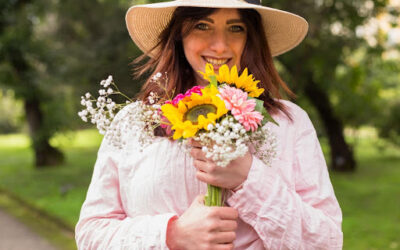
x=210 y=69
x=223 y=74
x=177 y=134
x=187 y=133
x=182 y=107
x=234 y=74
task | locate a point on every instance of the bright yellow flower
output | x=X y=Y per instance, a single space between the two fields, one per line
x=195 y=112
x=245 y=81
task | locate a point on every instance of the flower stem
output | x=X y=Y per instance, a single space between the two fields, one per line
x=214 y=196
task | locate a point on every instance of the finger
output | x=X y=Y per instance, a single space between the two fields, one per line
x=198 y=154
x=200 y=175
x=226 y=226
x=224 y=237
x=224 y=246
x=206 y=177
x=202 y=166
x=207 y=166
x=194 y=143
x=227 y=213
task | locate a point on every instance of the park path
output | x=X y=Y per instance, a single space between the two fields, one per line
x=16 y=236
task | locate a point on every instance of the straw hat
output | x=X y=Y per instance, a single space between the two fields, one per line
x=283 y=30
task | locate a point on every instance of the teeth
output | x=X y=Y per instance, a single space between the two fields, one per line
x=216 y=61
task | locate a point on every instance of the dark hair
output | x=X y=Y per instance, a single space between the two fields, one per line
x=169 y=58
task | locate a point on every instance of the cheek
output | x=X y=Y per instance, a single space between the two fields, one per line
x=191 y=46
x=239 y=48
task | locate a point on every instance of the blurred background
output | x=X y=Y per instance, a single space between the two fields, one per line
x=346 y=75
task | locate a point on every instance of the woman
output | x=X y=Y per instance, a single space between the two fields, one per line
x=153 y=199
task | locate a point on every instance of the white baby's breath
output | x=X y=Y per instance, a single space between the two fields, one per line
x=104 y=110
x=222 y=142
x=137 y=115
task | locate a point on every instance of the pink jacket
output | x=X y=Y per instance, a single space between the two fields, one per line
x=289 y=205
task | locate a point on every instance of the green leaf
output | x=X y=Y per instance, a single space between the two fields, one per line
x=268 y=118
x=260 y=108
x=213 y=81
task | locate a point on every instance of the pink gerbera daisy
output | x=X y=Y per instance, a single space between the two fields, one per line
x=241 y=108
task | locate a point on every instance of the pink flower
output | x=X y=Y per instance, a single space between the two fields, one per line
x=241 y=108
x=195 y=89
x=250 y=120
x=179 y=97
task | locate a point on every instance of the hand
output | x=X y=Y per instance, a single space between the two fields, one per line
x=230 y=177
x=201 y=227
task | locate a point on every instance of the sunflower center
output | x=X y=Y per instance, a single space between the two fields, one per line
x=203 y=109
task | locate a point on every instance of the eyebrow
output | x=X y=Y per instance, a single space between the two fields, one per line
x=230 y=21
x=234 y=21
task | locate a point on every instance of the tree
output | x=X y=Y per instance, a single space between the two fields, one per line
x=98 y=45
x=312 y=66
x=22 y=60
x=52 y=52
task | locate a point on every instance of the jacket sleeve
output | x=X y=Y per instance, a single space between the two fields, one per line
x=103 y=222
x=307 y=216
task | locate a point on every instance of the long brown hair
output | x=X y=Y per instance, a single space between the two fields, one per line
x=169 y=58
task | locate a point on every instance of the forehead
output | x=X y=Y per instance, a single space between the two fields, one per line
x=225 y=14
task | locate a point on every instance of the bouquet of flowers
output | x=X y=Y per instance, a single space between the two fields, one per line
x=225 y=117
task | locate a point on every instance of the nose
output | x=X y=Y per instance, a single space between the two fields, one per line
x=219 y=42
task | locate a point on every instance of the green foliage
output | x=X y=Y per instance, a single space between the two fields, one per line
x=389 y=118
x=11 y=113
x=52 y=52
x=98 y=45
x=389 y=124
x=94 y=44
x=356 y=95
x=260 y=108
x=23 y=54
x=359 y=81
x=26 y=64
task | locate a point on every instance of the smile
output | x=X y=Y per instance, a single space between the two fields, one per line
x=216 y=62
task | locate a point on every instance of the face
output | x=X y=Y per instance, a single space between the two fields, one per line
x=217 y=39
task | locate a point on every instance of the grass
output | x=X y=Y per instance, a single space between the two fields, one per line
x=60 y=190
x=370 y=197
x=57 y=192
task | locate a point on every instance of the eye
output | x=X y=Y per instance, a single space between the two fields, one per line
x=201 y=26
x=236 y=28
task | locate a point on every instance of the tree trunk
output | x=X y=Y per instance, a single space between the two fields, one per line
x=342 y=158
x=45 y=154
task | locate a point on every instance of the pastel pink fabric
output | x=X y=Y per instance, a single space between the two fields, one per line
x=289 y=205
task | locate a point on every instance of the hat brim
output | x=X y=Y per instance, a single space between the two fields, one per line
x=283 y=30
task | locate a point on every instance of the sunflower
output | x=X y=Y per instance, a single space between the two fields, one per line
x=195 y=112
x=244 y=81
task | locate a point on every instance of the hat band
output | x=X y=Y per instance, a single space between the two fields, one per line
x=258 y=2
